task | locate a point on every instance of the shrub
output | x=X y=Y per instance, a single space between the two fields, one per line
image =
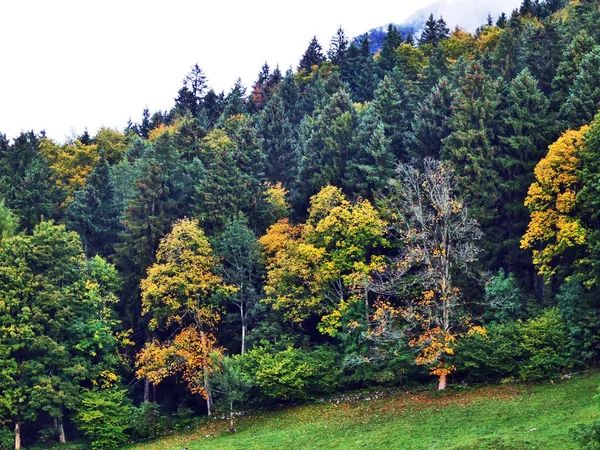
x=292 y=374
x=7 y=439
x=544 y=339
x=536 y=348
x=493 y=355
x=147 y=421
x=103 y=416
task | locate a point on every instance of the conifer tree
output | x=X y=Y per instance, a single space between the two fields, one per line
x=387 y=57
x=94 y=213
x=528 y=130
x=567 y=70
x=471 y=146
x=430 y=124
x=279 y=147
x=313 y=56
x=372 y=163
x=338 y=48
x=583 y=101
x=392 y=105
x=189 y=97
x=326 y=152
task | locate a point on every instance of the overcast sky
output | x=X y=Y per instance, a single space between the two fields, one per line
x=67 y=65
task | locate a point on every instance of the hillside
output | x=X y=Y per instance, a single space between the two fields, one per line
x=515 y=416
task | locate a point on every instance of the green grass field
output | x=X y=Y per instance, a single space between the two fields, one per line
x=513 y=416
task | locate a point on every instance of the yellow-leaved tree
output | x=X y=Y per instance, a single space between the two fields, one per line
x=323 y=267
x=554 y=227
x=181 y=294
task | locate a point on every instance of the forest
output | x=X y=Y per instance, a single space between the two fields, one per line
x=425 y=215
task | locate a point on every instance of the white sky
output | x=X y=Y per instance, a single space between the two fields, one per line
x=67 y=65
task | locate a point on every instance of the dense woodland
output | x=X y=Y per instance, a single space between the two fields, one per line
x=427 y=213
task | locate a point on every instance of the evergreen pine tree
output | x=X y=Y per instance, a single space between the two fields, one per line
x=388 y=57
x=338 y=48
x=371 y=163
x=94 y=213
x=584 y=96
x=313 y=56
x=471 y=146
x=277 y=133
x=430 y=125
x=527 y=132
x=430 y=33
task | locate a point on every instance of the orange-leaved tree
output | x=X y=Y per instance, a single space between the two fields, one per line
x=181 y=294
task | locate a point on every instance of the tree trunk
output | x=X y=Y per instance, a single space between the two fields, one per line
x=231 y=425
x=60 y=430
x=17 y=436
x=206 y=387
x=443 y=382
x=243 y=337
x=146 y=390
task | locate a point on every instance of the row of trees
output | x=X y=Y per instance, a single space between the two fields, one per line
x=366 y=219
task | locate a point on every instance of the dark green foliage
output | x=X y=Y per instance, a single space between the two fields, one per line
x=527 y=132
x=388 y=58
x=503 y=299
x=434 y=31
x=233 y=179
x=147 y=421
x=338 y=48
x=536 y=348
x=392 y=104
x=276 y=130
x=104 y=417
x=240 y=254
x=235 y=102
x=372 y=163
x=189 y=98
x=313 y=56
x=25 y=181
x=491 y=356
x=583 y=100
x=358 y=70
x=567 y=70
x=94 y=212
x=545 y=342
x=472 y=145
x=328 y=147
x=580 y=311
x=430 y=124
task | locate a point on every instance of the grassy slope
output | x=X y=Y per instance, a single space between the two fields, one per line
x=520 y=416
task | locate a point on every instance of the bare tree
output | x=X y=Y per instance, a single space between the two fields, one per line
x=438 y=237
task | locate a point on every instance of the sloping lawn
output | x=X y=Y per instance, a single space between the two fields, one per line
x=515 y=416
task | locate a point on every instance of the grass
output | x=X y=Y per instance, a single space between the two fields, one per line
x=511 y=416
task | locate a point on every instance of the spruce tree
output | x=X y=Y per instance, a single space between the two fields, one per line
x=338 y=48
x=388 y=57
x=327 y=150
x=94 y=212
x=189 y=97
x=527 y=131
x=430 y=124
x=471 y=146
x=313 y=56
x=430 y=33
x=371 y=163
x=277 y=133
x=583 y=101
x=567 y=70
